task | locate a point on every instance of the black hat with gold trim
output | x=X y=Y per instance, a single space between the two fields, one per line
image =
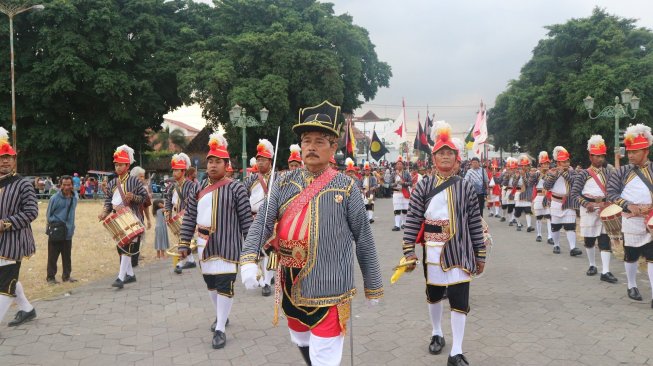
x=324 y=117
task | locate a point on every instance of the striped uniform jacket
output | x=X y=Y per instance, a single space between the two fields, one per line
x=252 y=180
x=505 y=180
x=582 y=177
x=131 y=184
x=569 y=176
x=405 y=176
x=467 y=244
x=338 y=217
x=232 y=218
x=618 y=180
x=526 y=188
x=187 y=189
x=19 y=207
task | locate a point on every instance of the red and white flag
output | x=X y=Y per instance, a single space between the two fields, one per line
x=397 y=131
x=480 y=130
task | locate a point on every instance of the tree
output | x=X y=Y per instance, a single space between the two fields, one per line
x=165 y=137
x=599 y=56
x=282 y=55
x=92 y=75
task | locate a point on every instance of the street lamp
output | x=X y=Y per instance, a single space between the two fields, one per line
x=11 y=11
x=616 y=111
x=238 y=116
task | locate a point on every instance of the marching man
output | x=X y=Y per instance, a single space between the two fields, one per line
x=630 y=187
x=319 y=214
x=295 y=158
x=589 y=189
x=219 y=210
x=444 y=218
x=369 y=185
x=524 y=193
x=257 y=185
x=401 y=182
x=558 y=181
x=541 y=201
x=508 y=183
x=494 y=201
x=18 y=209
x=125 y=191
x=176 y=199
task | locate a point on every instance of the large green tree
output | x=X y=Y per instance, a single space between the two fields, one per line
x=598 y=56
x=282 y=55
x=91 y=75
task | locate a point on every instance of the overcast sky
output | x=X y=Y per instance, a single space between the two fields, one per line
x=453 y=53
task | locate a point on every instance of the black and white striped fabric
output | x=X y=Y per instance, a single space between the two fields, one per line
x=569 y=176
x=582 y=177
x=477 y=178
x=18 y=205
x=232 y=217
x=252 y=180
x=467 y=244
x=188 y=188
x=338 y=218
x=526 y=188
x=133 y=185
x=618 y=180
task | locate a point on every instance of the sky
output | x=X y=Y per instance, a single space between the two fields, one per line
x=450 y=54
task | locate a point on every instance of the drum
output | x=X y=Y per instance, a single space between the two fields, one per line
x=174 y=223
x=123 y=225
x=611 y=218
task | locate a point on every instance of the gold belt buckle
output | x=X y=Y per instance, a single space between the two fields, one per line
x=298 y=253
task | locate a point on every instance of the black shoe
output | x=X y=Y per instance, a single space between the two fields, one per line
x=219 y=340
x=214 y=324
x=651 y=304
x=22 y=317
x=633 y=293
x=530 y=229
x=538 y=239
x=608 y=277
x=178 y=270
x=117 y=283
x=550 y=241
x=52 y=281
x=437 y=344
x=575 y=252
x=129 y=279
x=592 y=271
x=266 y=291
x=272 y=281
x=503 y=219
x=490 y=215
x=371 y=221
x=519 y=227
x=306 y=355
x=403 y=227
x=69 y=279
x=556 y=250
x=457 y=360
x=396 y=228
x=188 y=265
x=511 y=223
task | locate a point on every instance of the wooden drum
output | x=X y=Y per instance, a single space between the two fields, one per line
x=611 y=218
x=124 y=226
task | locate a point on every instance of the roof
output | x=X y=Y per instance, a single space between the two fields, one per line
x=180 y=124
x=200 y=142
x=369 y=116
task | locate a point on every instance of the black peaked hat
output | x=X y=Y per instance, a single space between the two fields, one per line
x=324 y=117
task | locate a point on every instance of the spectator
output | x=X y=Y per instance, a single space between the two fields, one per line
x=48 y=186
x=76 y=183
x=89 y=189
x=161 y=242
x=477 y=177
x=61 y=208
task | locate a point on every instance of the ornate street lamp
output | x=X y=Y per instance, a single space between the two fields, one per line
x=616 y=111
x=238 y=116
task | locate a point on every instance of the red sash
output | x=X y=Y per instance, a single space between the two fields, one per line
x=597 y=180
x=213 y=187
x=264 y=185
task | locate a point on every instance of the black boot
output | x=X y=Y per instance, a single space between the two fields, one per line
x=305 y=355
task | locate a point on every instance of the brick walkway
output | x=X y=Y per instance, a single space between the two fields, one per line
x=531 y=308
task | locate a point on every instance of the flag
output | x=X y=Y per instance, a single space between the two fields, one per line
x=397 y=132
x=377 y=148
x=428 y=126
x=479 y=131
x=421 y=142
x=350 y=140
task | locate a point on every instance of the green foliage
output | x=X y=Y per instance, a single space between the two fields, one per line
x=281 y=55
x=599 y=56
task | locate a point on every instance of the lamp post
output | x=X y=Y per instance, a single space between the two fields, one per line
x=616 y=111
x=238 y=116
x=11 y=11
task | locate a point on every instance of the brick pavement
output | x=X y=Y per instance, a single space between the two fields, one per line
x=531 y=308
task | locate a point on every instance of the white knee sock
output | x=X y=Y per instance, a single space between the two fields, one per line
x=504 y=213
x=650 y=275
x=497 y=211
x=571 y=238
x=403 y=219
x=529 y=221
x=435 y=311
x=512 y=216
x=5 y=303
x=222 y=311
x=130 y=269
x=605 y=262
x=538 y=226
x=398 y=220
x=548 y=228
x=370 y=214
x=631 y=274
x=21 y=299
x=326 y=351
x=267 y=275
x=124 y=261
x=301 y=339
x=556 y=238
x=214 y=298
x=190 y=258
x=591 y=256
x=457 y=332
